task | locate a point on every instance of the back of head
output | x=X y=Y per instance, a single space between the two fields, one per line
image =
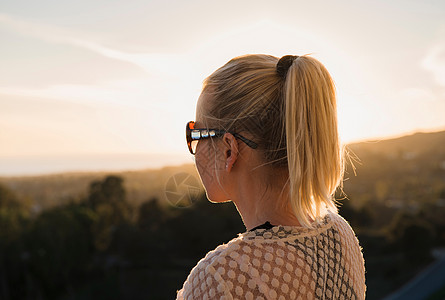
x=292 y=117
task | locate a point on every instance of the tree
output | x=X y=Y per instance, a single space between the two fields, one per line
x=59 y=248
x=413 y=236
x=13 y=218
x=107 y=199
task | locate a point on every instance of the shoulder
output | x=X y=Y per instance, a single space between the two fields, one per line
x=341 y=223
x=205 y=281
x=231 y=269
x=351 y=248
x=346 y=233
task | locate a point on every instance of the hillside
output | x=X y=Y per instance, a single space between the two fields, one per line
x=408 y=145
x=398 y=172
x=52 y=190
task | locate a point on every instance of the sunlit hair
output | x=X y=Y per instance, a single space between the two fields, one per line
x=293 y=120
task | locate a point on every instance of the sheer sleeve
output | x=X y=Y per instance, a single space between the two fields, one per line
x=205 y=282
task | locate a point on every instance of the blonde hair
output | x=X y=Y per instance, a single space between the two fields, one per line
x=293 y=120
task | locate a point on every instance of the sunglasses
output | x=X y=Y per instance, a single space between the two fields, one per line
x=193 y=135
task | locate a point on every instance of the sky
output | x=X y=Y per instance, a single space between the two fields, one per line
x=101 y=79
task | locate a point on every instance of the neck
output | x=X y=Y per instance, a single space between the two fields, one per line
x=253 y=217
x=257 y=204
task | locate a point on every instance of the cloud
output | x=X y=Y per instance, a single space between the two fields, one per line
x=130 y=93
x=175 y=78
x=153 y=63
x=434 y=62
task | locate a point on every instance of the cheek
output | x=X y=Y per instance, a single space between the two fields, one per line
x=208 y=173
x=203 y=166
x=205 y=163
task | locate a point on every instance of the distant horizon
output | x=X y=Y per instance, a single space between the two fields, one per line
x=53 y=164
x=40 y=165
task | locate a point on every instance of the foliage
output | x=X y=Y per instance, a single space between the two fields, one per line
x=101 y=243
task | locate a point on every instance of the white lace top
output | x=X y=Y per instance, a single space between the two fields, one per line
x=283 y=262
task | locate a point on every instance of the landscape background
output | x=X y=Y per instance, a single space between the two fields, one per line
x=99 y=197
x=137 y=234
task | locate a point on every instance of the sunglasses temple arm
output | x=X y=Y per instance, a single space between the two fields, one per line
x=251 y=144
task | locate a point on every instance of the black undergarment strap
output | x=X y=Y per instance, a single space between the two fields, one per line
x=266 y=225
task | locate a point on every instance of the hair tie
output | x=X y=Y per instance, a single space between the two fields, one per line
x=284 y=64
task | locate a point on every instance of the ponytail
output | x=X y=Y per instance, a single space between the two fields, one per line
x=313 y=149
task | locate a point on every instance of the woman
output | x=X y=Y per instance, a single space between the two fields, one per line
x=265 y=138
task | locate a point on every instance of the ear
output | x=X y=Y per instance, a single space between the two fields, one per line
x=230 y=150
